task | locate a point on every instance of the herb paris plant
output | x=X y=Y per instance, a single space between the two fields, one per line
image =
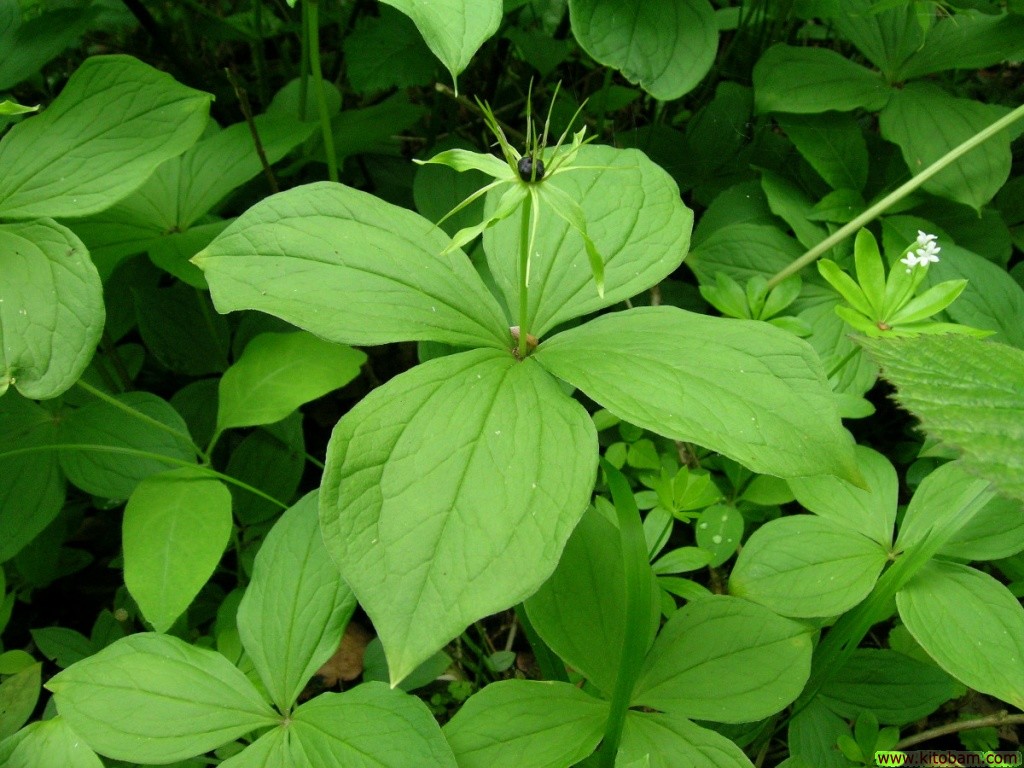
x=450 y=491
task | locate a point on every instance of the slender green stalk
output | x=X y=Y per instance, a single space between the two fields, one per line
x=524 y=260
x=304 y=64
x=839 y=366
x=170 y=460
x=637 y=614
x=905 y=189
x=313 y=32
x=146 y=419
x=256 y=44
x=602 y=101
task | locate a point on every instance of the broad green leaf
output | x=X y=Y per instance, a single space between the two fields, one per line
x=171 y=252
x=277 y=373
x=471 y=471
x=115 y=121
x=175 y=528
x=634 y=217
x=742 y=251
x=745 y=389
x=220 y=163
x=386 y=51
x=666 y=48
x=110 y=450
x=185 y=188
x=350 y=268
x=830 y=338
x=941 y=600
x=992 y=299
x=727 y=660
x=526 y=723
x=51 y=308
x=272 y=749
x=967 y=393
x=833 y=144
x=50 y=742
x=887 y=36
x=295 y=608
x=672 y=741
x=926 y=123
x=370 y=726
x=813 y=80
x=838 y=207
x=181 y=330
x=995 y=531
x=794 y=206
x=945 y=501
x=453 y=29
x=870 y=511
x=580 y=611
x=967 y=42
x=807 y=567
x=271 y=459
x=31 y=484
x=18 y=696
x=26 y=46
x=812 y=737
x=154 y=699
x=371 y=128
x=375 y=667
x=62 y=645
x=898 y=689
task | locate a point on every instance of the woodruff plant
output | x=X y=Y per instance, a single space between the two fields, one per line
x=450 y=491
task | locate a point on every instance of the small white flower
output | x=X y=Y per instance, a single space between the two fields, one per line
x=924 y=239
x=910 y=260
x=928 y=253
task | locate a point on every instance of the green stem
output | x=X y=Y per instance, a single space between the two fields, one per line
x=182 y=436
x=878 y=208
x=171 y=460
x=602 y=101
x=313 y=32
x=839 y=366
x=524 y=258
x=259 y=58
x=636 y=572
x=304 y=64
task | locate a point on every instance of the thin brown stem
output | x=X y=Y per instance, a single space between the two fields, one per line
x=243 y=102
x=996 y=720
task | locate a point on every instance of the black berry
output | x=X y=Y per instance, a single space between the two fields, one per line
x=526 y=168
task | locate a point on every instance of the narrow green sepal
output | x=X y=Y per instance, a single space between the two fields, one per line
x=506 y=207
x=571 y=213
